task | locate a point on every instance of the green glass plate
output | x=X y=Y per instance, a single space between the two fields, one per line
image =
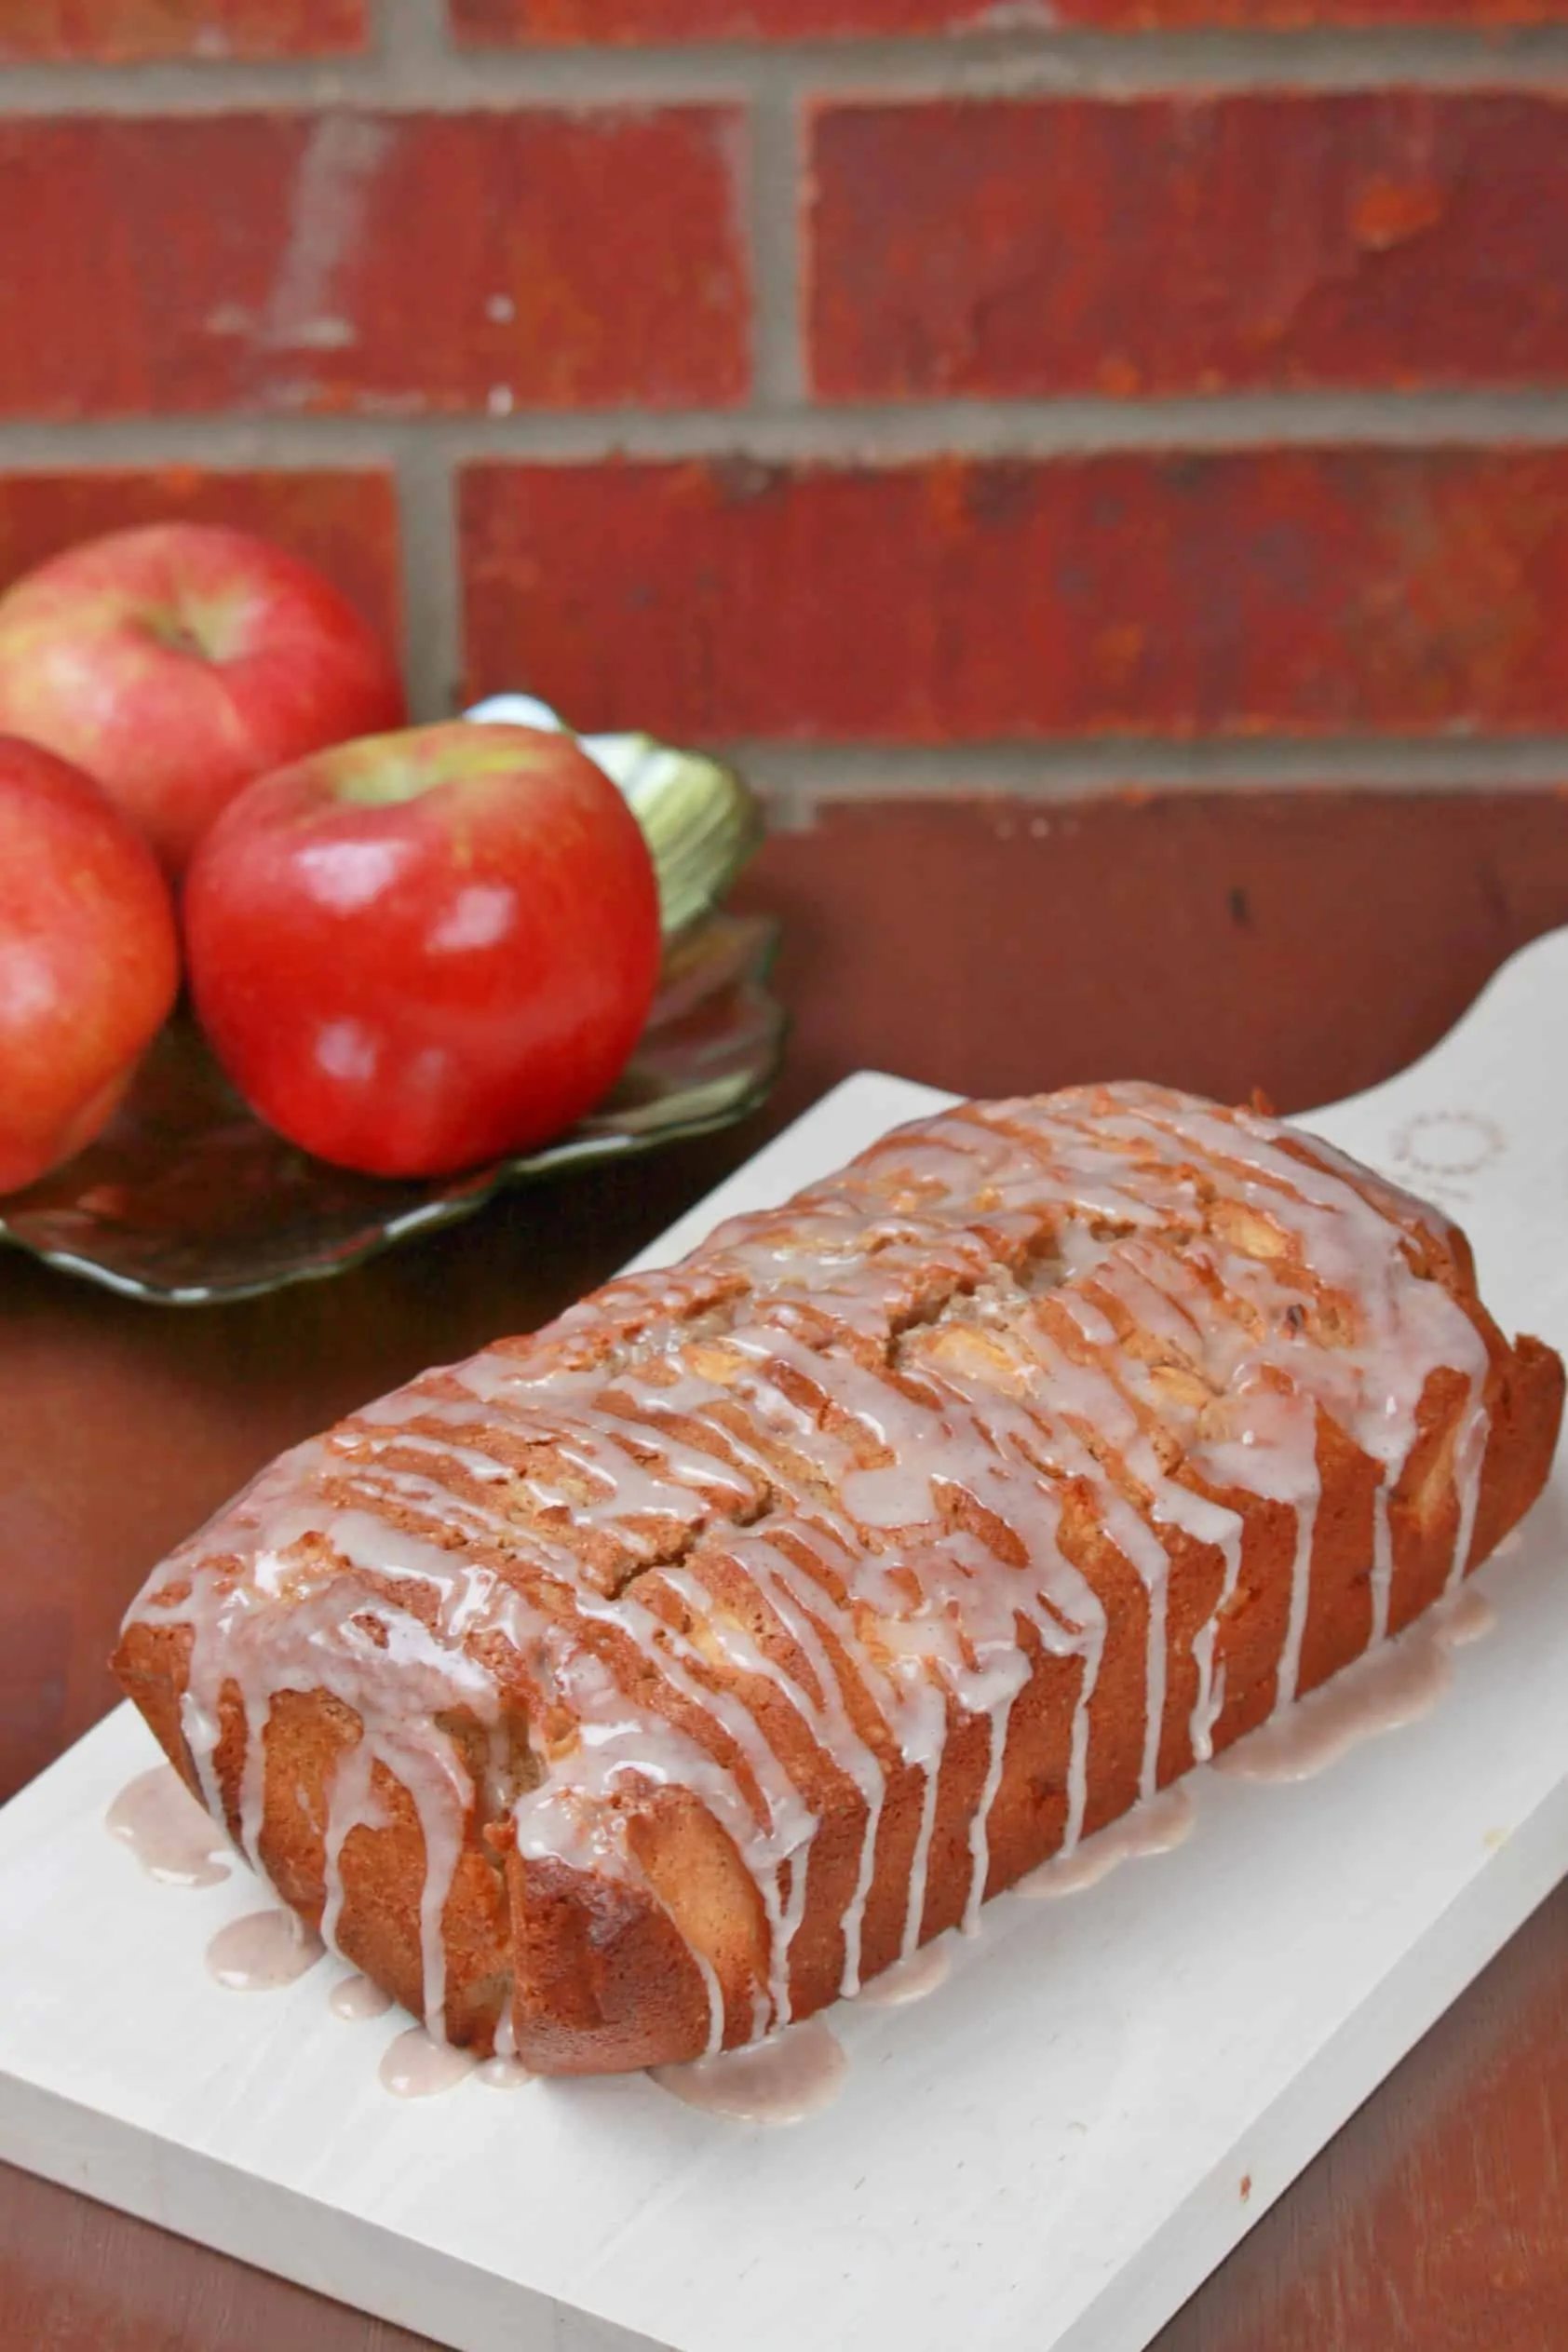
x=187 y=1197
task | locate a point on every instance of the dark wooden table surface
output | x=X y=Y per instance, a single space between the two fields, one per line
x=1308 y=943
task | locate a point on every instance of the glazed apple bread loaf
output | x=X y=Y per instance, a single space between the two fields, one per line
x=633 y=1688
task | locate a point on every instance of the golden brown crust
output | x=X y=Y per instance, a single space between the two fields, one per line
x=593 y=1964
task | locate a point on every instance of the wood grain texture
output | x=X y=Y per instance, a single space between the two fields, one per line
x=1312 y=943
x=76 y=2277
x=1435 y=2222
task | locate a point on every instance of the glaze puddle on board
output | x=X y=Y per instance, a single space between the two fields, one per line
x=1391 y=1686
x=1153 y=1827
x=414 y=2066
x=786 y=2078
x=356 y=1997
x=263 y=1951
x=173 y=1837
x=503 y=2073
x=908 y=1980
x=1464 y=1618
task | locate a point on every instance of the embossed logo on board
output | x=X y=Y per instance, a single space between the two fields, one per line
x=1442 y=1151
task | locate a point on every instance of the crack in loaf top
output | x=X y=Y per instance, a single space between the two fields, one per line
x=754 y=1526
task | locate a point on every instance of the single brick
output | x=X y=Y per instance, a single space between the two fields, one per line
x=1293 y=591
x=547 y=24
x=1178 y=246
x=398 y=264
x=344 y=522
x=1148 y=16
x=118 y=32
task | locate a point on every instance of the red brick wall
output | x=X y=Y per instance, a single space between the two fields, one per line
x=911 y=392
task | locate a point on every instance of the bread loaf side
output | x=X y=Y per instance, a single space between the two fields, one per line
x=631 y=1689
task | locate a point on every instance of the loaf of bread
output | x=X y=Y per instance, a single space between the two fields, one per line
x=631 y=1689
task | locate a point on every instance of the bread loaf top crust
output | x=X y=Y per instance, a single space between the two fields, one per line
x=748 y=1537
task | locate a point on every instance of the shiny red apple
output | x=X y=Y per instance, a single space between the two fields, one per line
x=424 y=951
x=178 y=662
x=89 y=959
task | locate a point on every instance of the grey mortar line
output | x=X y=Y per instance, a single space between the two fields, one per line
x=871 y=435
x=431 y=584
x=412 y=68
x=796 y=778
x=775 y=194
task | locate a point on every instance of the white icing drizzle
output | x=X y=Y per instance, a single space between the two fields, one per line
x=869 y=1407
x=505 y=2030
x=350 y=1806
x=1383 y=1561
x=713 y=1993
x=1301 y=1589
x=1077 y=1762
x=841 y=1740
x=980 y=1824
x=920 y=1866
x=1470 y=1460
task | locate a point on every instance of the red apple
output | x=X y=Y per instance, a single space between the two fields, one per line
x=178 y=662
x=424 y=950
x=89 y=959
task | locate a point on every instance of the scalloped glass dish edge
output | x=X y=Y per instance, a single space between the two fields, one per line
x=576 y=1151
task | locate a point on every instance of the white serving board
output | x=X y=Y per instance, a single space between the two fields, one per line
x=1047 y=2153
